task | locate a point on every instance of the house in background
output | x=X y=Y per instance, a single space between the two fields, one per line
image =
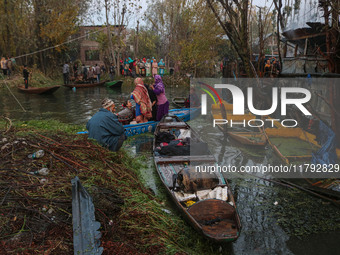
x=90 y=52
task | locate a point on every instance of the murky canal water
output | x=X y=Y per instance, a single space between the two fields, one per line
x=261 y=233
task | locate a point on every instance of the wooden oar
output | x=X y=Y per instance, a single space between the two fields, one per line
x=224 y=114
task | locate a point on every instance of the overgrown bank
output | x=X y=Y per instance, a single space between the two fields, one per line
x=36 y=210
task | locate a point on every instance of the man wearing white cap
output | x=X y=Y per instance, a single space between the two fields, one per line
x=105 y=127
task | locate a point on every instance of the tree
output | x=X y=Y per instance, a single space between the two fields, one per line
x=34 y=25
x=233 y=18
x=188 y=33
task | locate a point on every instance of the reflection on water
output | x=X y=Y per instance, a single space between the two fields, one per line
x=65 y=104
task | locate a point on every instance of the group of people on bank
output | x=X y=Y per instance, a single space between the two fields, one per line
x=82 y=73
x=106 y=126
x=129 y=67
x=142 y=67
x=6 y=66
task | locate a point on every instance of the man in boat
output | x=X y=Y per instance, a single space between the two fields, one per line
x=105 y=127
x=112 y=71
x=84 y=71
x=97 y=72
x=26 y=74
x=66 y=73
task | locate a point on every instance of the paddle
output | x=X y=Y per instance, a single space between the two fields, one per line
x=224 y=115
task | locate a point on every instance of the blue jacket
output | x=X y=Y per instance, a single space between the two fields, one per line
x=105 y=128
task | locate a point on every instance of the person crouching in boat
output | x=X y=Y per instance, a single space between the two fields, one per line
x=105 y=127
x=143 y=103
x=162 y=102
x=126 y=115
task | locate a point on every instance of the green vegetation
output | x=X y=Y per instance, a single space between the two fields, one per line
x=293 y=146
x=140 y=223
x=37 y=79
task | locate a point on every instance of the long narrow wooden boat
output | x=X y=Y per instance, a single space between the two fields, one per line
x=210 y=207
x=216 y=112
x=114 y=84
x=293 y=144
x=84 y=85
x=184 y=114
x=252 y=136
x=35 y=90
x=179 y=101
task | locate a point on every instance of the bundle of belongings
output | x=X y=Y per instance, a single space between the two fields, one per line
x=179 y=144
x=194 y=186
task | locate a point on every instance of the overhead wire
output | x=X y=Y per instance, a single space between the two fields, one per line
x=58 y=45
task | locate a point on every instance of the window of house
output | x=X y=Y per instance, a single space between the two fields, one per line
x=87 y=34
x=92 y=55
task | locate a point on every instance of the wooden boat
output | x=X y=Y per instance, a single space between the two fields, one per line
x=216 y=112
x=292 y=144
x=84 y=85
x=179 y=101
x=35 y=90
x=184 y=114
x=246 y=136
x=212 y=213
x=114 y=84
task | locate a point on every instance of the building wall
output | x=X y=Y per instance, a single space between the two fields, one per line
x=89 y=48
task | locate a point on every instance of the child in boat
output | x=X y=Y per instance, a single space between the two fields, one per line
x=26 y=74
x=126 y=115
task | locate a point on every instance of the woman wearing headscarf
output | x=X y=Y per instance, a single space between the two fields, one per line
x=126 y=67
x=154 y=68
x=143 y=103
x=148 y=67
x=161 y=66
x=162 y=101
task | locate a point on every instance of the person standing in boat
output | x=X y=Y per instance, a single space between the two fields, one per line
x=162 y=101
x=153 y=99
x=161 y=66
x=112 y=71
x=105 y=128
x=97 y=72
x=75 y=71
x=154 y=68
x=84 y=72
x=26 y=74
x=90 y=74
x=143 y=103
x=66 y=73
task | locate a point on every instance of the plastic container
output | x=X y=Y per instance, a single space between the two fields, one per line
x=42 y=171
x=38 y=154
